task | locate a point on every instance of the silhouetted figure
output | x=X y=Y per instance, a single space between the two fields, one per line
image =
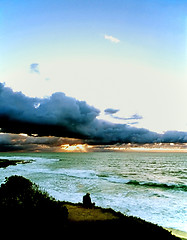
x=87 y=203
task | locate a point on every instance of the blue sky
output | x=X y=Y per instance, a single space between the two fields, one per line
x=71 y=44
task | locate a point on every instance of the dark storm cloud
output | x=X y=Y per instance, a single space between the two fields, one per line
x=57 y=115
x=22 y=142
x=63 y=116
x=34 y=68
x=110 y=133
x=10 y=142
x=174 y=137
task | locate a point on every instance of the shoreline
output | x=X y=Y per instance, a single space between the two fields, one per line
x=23 y=204
x=177 y=233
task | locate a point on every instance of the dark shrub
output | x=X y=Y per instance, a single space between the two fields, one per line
x=22 y=203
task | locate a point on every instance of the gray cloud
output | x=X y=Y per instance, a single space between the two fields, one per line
x=133 y=117
x=110 y=111
x=10 y=142
x=174 y=137
x=57 y=115
x=34 y=68
x=63 y=116
x=17 y=142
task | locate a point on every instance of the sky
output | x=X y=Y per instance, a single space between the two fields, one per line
x=123 y=62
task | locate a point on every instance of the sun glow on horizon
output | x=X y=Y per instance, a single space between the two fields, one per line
x=159 y=147
x=75 y=147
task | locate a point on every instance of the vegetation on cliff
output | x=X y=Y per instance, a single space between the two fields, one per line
x=25 y=208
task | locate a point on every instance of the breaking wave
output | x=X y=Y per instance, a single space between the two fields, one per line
x=153 y=184
x=159 y=185
x=76 y=173
x=90 y=174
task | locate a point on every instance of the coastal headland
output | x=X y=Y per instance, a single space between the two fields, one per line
x=26 y=208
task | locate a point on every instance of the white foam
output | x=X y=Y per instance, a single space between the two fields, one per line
x=146 y=194
x=78 y=173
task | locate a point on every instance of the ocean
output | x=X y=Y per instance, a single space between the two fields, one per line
x=152 y=186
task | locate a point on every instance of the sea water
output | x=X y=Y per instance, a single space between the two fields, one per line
x=152 y=186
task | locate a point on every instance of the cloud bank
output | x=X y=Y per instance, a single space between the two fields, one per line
x=66 y=117
x=22 y=142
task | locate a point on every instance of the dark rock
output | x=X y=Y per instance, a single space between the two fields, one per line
x=5 y=162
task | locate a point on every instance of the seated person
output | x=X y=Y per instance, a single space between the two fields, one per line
x=87 y=203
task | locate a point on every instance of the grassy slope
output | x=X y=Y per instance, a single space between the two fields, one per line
x=106 y=222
